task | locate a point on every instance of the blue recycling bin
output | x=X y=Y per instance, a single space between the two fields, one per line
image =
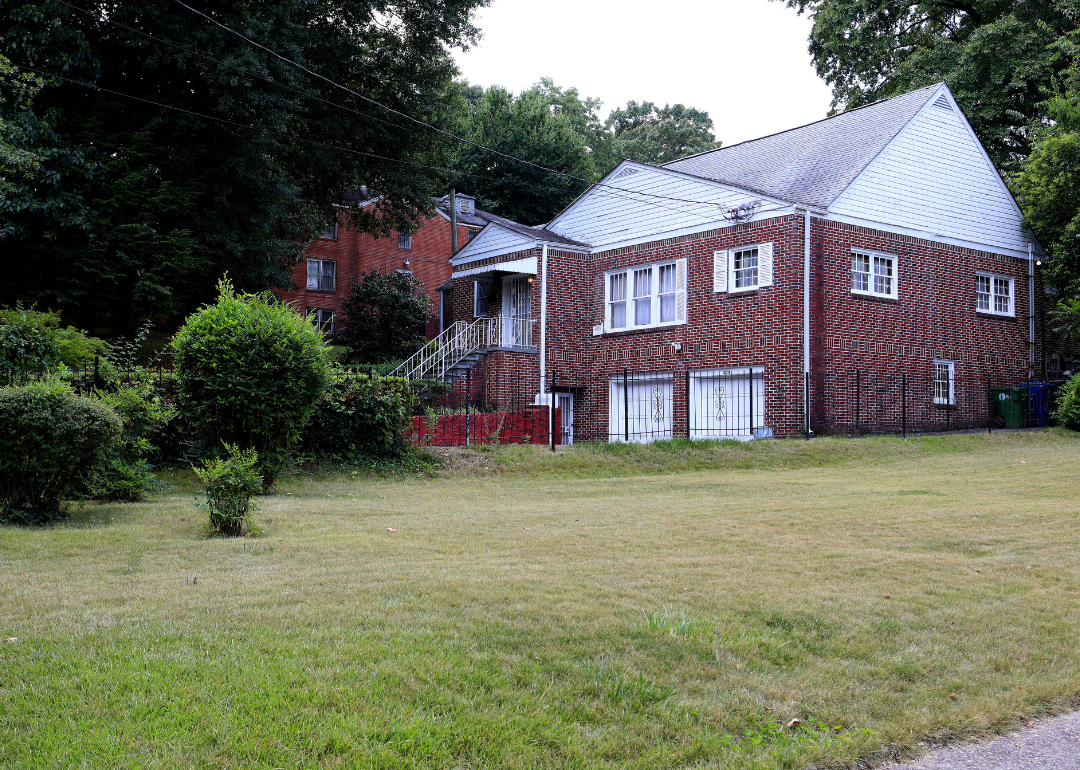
x=1040 y=395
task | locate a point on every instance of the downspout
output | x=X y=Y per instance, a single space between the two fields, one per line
x=453 y=222
x=1031 y=311
x=543 y=317
x=806 y=323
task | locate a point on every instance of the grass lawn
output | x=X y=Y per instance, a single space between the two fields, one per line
x=605 y=607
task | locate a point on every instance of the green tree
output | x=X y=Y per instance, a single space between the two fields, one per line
x=385 y=315
x=16 y=162
x=651 y=134
x=545 y=125
x=1000 y=58
x=138 y=209
x=249 y=370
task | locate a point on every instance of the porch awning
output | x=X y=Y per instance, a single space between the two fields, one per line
x=526 y=266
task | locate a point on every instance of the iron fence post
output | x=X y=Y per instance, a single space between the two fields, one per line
x=989 y=407
x=751 y=392
x=806 y=403
x=468 y=390
x=948 y=400
x=903 y=403
x=858 y=398
x=551 y=412
x=688 y=435
x=626 y=407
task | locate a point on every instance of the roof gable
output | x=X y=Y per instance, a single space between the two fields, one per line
x=494 y=240
x=812 y=164
x=935 y=177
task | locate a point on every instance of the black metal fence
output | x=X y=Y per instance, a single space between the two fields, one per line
x=729 y=403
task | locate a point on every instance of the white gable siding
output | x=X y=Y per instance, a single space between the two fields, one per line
x=491 y=242
x=604 y=217
x=934 y=178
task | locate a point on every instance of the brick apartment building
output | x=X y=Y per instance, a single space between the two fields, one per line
x=727 y=293
x=335 y=260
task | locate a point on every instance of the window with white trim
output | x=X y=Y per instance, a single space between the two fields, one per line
x=994 y=294
x=321 y=275
x=481 y=290
x=324 y=319
x=873 y=274
x=743 y=269
x=645 y=296
x=944 y=381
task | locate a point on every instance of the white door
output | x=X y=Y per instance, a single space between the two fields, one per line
x=565 y=404
x=726 y=403
x=640 y=412
x=517 y=308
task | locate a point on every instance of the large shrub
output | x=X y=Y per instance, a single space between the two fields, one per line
x=385 y=315
x=50 y=443
x=1068 y=406
x=359 y=416
x=249 y=371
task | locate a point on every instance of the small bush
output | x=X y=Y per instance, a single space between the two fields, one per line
x=1068 y=408
x=50 y=443
x=359 y=417
x=128 y=474
x=230 y=483
x=249 y=370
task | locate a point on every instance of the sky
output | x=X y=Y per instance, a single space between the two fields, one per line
x=745 y=63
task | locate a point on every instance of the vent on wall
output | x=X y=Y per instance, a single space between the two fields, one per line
x=625 y=172
x=943 y=103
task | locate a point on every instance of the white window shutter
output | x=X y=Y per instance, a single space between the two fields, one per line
x=680 y=291
x=607 y=304
x=764 y=264
x=720 y=271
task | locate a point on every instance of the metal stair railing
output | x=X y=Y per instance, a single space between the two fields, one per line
x=441 y=354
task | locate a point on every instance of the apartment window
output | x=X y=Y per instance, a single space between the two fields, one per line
x=745 y=268
x=944 y=381
x=321 y=275
x=640 y=408
x=617 y=300
x=324 y=319
x=994 y=294
x=873 y=274
x=404 y=241
x=645 y=296
x=331 y=234
x=480 y=298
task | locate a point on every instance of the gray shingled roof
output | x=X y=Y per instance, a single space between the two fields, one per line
x=811 y=164
x=539 y=233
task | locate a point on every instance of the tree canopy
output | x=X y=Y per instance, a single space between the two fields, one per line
x=1000 y=58
x=652 y=134
x=195 y=152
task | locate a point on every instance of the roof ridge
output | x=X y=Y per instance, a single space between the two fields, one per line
x=935 y=86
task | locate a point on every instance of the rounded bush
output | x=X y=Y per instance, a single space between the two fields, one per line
x=249 y=370
x=50 y=443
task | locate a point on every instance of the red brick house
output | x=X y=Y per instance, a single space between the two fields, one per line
x=334 y=261
x=741 y=291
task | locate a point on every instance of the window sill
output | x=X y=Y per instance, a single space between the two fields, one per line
x=875 y=298
x=642 y=330
x=744 y=292
x=321 y=291
x=995 y=316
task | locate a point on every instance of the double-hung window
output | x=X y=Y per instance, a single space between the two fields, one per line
x=745 y=268
x=944 y=381
x=994 y=294
x=404 y=241
x=873 y=274
x=645 y=296
x=321 y=275
x=324 y=319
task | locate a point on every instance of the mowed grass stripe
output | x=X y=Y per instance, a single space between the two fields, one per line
x=557 y=618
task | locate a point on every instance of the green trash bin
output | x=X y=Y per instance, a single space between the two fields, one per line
x=1009 y=404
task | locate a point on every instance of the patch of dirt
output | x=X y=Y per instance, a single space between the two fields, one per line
x=460 y=462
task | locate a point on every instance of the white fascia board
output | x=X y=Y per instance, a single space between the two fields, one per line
x=464 y=255
x=700 y=228
x=870 y=224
